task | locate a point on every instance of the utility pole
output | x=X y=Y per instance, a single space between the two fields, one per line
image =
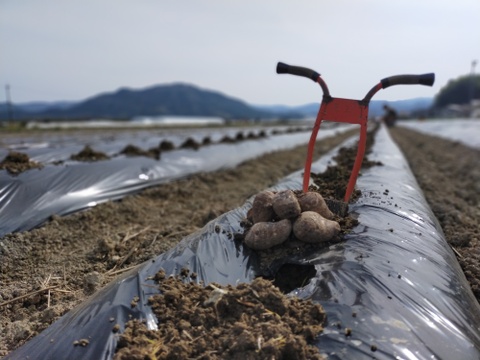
x=472 y=82
x=9 y=103
x=471 y=92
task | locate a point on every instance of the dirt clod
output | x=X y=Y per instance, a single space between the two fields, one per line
x=249 y=321
x=16 y=162
x=88 y=154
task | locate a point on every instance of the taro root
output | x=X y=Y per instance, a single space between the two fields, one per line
x=311 y=227
x=313 y=201
x=264 y=235
x=262 y=208
x=285 y=204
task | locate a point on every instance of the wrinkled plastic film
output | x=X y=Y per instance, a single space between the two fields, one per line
x=210 y=252
x=396 y=273
x=29 y=199
x=464 y=131
x=394 y=282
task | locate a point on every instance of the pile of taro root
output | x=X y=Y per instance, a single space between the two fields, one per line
x=276 y=216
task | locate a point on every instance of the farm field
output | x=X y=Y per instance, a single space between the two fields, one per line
x=49 y=270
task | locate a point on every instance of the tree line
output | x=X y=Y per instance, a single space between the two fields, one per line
x=458 y=91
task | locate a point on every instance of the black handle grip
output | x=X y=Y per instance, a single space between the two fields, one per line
x=283 y=68
x=424 y=79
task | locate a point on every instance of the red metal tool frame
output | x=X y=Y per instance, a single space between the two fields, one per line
x=346 y=111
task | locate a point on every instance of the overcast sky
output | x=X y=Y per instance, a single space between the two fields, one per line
x=71 y=50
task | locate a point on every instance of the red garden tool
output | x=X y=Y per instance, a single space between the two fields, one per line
x=347 y=111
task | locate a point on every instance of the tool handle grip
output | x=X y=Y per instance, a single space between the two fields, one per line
x=283 y=68
x=424 y=79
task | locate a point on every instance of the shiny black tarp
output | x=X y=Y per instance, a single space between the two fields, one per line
x=394 y=281
x=32 y=197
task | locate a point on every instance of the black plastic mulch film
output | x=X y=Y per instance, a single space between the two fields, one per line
x=394 y=281
x=29 y=199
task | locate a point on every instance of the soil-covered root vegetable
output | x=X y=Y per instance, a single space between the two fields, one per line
x=311 y=227
x=313 y=201
x=264 y=235
x=262 y=208
x=285 y=205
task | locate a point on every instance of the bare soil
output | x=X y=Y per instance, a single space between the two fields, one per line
x=249 y=321
x=47 y=271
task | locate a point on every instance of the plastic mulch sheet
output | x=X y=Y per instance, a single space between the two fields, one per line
x=32 y=197
x=394 y=281
x=465 y=131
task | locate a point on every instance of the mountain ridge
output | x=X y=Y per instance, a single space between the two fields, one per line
x=178 y=99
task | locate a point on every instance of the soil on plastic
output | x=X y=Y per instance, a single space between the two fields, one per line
x=132 y=150
x=249 y=321
x=46 y=272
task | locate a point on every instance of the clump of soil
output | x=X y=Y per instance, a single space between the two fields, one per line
x=332 y=183
x=88 y=154
x=206 y=141
x=190 y=144
x=132 y=150
x=262 y=134
x=16 y=162
x=227 y=140
x=249 y=321
x=166 y=145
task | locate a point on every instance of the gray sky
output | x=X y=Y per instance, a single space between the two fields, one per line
x=70 y=50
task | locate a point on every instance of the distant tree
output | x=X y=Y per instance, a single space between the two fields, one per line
x=458 y=91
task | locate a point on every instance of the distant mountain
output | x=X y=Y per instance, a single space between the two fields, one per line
x=37 y=106
x=25 y=110
x=180 y=99
x=174 y=99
